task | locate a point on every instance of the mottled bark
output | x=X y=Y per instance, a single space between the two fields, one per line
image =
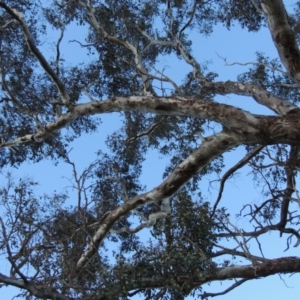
x=283 y=36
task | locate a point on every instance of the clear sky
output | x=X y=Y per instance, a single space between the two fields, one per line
x=235 y=45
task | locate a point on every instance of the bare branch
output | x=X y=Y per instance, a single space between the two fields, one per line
x=231 y=171
x=238 y=122
x=260 y=95
x=10 y=258
x=254 y=63
x=236 y=284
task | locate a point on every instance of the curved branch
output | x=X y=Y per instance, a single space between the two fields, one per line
x=230 y=172
x=36 y=52
x=259 y=94
x=262 y=269
x=192 y=13
x=144 y=133
x=246 y=127
x=211 y=148
x=232 y=287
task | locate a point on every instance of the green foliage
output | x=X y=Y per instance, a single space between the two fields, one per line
x=43 y=236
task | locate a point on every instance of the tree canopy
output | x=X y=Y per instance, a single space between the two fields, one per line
x=94 y=246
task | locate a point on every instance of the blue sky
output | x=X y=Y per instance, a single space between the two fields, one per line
x=235 y=45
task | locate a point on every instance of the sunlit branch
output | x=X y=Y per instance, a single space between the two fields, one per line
x=260 y=95
x=213 y=147
x=283 y=36
x=257 y=128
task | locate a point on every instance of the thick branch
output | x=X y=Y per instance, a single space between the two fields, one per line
x=269 y=267
x=37 y=291
x=250 y=128
x=259 y=94
x=211 y=148
x=283 y=36
x=247 y=272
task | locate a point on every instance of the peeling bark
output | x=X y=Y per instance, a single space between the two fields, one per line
x=283 y=36
x=239 y=128
x=278 y=105
x=250 y=128
x=211 y=148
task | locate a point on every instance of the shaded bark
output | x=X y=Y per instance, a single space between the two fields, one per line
x=283 y=37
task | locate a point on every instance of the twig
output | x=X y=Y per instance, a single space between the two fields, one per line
x=147 y=132
x=237 y=166
x=253 y=63
x=238 y=283
x=7 y=24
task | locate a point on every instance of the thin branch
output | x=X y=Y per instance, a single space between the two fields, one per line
x=231 y=171
x=7 y=24
x=36 y=52
x=234 y=252
x=236 y=284
x=243 y=244
x=57 y=47
x=82 y=45
x=164 y=213
x=10 y=258
x=254 y=63
x=168 y=79
x=192 y=13
x=144 y=133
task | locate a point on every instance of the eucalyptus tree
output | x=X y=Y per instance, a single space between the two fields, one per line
x=56 y=251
